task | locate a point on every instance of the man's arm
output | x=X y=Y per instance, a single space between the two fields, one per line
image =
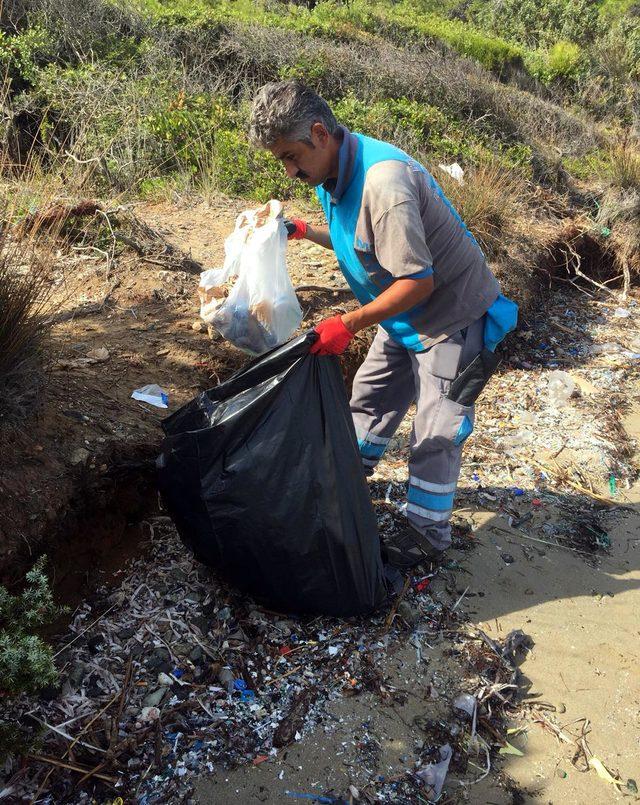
x=334 y=334
x=297 y=229
x=403 y=294
x=319 y=235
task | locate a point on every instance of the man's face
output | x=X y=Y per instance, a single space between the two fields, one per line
x=311 y=163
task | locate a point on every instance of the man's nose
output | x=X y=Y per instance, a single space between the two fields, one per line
x=291 y=168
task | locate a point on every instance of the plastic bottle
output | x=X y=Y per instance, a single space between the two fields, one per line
x=610 y=348
x=560 y=388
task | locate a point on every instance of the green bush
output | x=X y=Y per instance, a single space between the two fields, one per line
x=241 y=170
x=23 y=53
x=26 y=661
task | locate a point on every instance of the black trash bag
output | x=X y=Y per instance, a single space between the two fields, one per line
x=263 y=478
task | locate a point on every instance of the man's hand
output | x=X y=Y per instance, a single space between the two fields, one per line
x=333 y=337
x=296 y=228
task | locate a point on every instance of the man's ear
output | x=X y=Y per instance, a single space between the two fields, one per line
x=319 y=135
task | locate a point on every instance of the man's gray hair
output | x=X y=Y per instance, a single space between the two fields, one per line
x=287 y=110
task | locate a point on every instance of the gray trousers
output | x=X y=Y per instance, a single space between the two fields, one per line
x=389 y=380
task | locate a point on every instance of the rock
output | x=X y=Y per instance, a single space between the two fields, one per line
x=182 y=649
x=76 y=675
x=224 y=614
x=226 y=677
x=79 y=456
x=283 y=627
x=100 y=354
x=154 y=698
x=158 y=657
x=202 y=623
x=126 y=633
x=164 y=679
x=409 y=613
x=196 y=655
x=199 y=326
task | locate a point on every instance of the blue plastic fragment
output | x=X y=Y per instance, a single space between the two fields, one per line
x=517 y=492
x=313 y=797
x=247 y=695
x=239 y=684
x=177 y=673
x=475 y=477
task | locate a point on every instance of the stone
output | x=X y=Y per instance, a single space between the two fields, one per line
x=158 y=657
x=154 y=698
x=197 y=655
x=199 y=326
x=79 y=456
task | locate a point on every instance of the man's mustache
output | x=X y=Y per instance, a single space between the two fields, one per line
x=302 y=175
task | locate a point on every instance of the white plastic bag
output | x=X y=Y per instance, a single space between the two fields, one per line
x=261 y=310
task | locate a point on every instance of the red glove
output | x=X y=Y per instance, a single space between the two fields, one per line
x=296 y=228
x=333 y=337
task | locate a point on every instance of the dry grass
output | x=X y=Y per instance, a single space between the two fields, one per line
x=25 y=290
x=491 y=201
x=624 y=167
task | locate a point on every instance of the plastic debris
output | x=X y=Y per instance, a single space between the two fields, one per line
x=153 y=395
x=612 y=484
x=561 y=387
x=603 y=773
x=454 y=170
x=465 y=703
x=609 y=348
x=260 y=309
x=510 y=749
x=433 y=775
x=621 y=313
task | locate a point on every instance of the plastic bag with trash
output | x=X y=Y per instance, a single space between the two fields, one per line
x=263 y=478
x=260 y=310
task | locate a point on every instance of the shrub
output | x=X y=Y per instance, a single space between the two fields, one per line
x=488 y=203
x=623 y=167
x=21 y=54
x=26 y=661
x=24 y=295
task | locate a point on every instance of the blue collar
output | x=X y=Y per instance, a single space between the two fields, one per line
x=346 y=157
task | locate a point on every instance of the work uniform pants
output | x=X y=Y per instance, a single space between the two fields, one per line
x=389 y=380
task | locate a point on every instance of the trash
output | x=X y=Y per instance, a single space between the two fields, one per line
x=510 y=749
x=247 y=695
x=603 y=773
x=465 y=703
x=263 y=478
x=433 y=775
x=153 y=395
x=239 y=684
x=313 y=797
x=621 y=313
x=454 y=170
x=561 y=387
x=515 y=642
x=261 y=310
x=632 y=786
x=612 y=484
x=507 y=558
x=517 y=492
x=150 y=714
x=610 y=348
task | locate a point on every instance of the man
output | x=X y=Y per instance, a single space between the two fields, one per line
x=419 y=275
